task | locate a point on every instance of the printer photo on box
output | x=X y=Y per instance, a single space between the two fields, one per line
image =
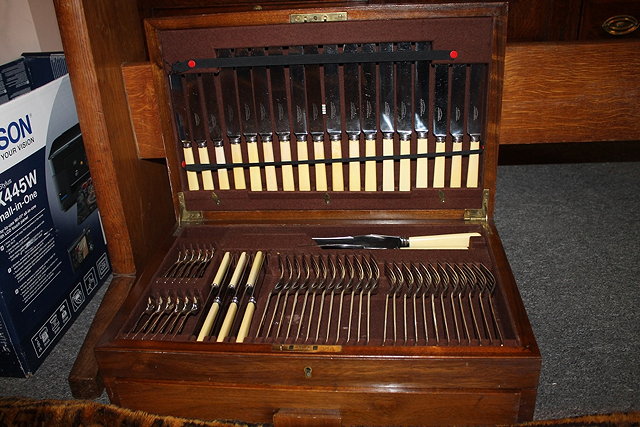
x=53 y=254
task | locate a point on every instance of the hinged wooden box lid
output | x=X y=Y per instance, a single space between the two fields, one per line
x=370 y=111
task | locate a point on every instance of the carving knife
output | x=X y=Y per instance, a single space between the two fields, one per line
x=369 y=122
x=403 y=117
x=475 y=118
x=229 y=96
x=250 y=288
x=315 y=117
x=216 y=287
x=378 y=241
x=334 y=125
x=299 y=104
x=234 y=287
x=263 y=114
x=352 y=115
x=180 y=115
x=281 y=118
x=387 y=112
x=456 y=120
x=422 y=117
x=441 y=94
x=248 y=119
x=215 y=131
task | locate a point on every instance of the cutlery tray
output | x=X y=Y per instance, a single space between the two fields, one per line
x=282 y=126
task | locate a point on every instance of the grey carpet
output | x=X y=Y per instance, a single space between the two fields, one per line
x=572 y=235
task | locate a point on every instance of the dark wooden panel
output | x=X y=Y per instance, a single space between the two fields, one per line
x=571 y=92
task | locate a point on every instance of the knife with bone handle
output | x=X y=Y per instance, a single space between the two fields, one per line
x=422 y=117
x=334 y=125
x=352 y=116
x=441 y=94
x=216 y=287
x=378 y=241
x=475 y=118
x=180 y=114
x=403 y=117
x=281 y=118
x=198 y=131
x=234 y=287
x=456 y=120
x=387 y=112
x=300 y=118
x=229 y=96
x=250 y=289
x=215 y=131
x=315 y=117
x=248 y=119
x=263 y=115
x=369 y=123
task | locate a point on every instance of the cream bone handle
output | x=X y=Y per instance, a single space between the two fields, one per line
x=456 y=163
x=213 y=311
x=223 y=174
x=255 y=179
x=337 y=177
x=474 y=160
x=441 y=241
x=354 y=167
x=422 y=168
x=405 y=165
x=438 y=167
x=233 y=306
x=269 y=171
x=370 y=179
x=388 y=179
x=236 y=157
x=207 y=176
x=287 y=170
x=251 y=305
x=192 y=177
x=320 y=167
x=304 y=182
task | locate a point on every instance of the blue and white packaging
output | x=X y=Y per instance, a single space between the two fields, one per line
x=53 y=254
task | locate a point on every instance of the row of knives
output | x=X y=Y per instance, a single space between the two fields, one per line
x=336 y=299
x=343 y=110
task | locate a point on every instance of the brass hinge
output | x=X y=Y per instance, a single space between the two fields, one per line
x=479 y=215
x=301 y=18
x=186 y=215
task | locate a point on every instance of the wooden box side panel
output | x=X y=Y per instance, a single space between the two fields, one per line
x=98 y=36
x=354 y=406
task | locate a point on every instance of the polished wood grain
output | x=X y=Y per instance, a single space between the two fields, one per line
x=142 y=101
x=135 y=206
x=571 y=92
x=355 y=406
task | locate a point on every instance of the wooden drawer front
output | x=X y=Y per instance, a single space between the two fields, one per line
x=282 y=370
x=361 y=406
x=610 y=19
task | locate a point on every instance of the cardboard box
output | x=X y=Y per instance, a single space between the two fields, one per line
x=29 y=72
x=52 y=249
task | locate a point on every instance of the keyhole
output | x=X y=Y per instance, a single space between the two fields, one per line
x=307 y=372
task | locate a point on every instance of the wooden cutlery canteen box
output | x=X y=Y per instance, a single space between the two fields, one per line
x=335 y=259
